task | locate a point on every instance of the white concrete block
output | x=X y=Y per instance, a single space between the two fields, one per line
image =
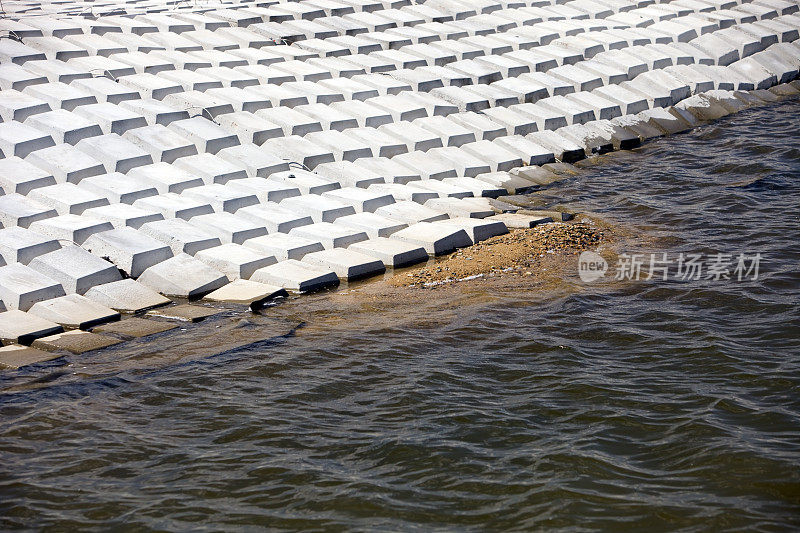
x=180 y=236
x=347 y=264
x=23 y=328
x=67 y=198
x=462 y=207
x=131 y=250
x=250 y=293
x=19 y=140
x=499 y=158
x=20 y=245
x=22 y=286
x=17 y=210
x=209 y=167
x=221 y=197
x=391 y=171
x=393 y=253
x=283 y=246
x=75 y=269
x=330 y=235
x=20 y=176
x=155 y=112
x=234 y=260
x=360 y=199
x=476 y=187
x=563 y=149
x=296 y=149
x=19 y=106
x=207 y=136
x=348 y=174
x=342 y=145
x=74 y=311
x=426 y=165
x=112 y=118
x=66 y=163
x=116 y=153
x=410 y=212
x=530 y=152
x=464 y=163
x=183 y=276
x=436 y=239
x=228 y=227
x=70 y=228
x=296 y=276
x=370 y=223
x=413 y=136
x=118 y=188
x=172 y=205
x=515 y=122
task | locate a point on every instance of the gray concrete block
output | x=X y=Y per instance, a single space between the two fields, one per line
x=126 y=296
x=436 y=239
x=22 y=286
x=19 y=140
x=370 y=223
x=23 y=328
x=228 y=227
x=210 y=168
x=180 y=236
x=16 y=105
x=283 y=246
x=66 y=163
x=75 y=269
x=70 y=228
x=410 y=212
x=20 y=176
x=183 y=276
x=347 y=264
x=118 y=188
x=234 y=260
x=74 y=311
x=131 y=250
x=296 y=276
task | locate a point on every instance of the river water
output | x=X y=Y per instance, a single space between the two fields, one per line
x=632 y=404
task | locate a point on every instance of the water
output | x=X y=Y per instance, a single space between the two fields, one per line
x=635 y=404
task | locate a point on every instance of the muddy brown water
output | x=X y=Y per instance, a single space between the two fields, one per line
x=501 y=404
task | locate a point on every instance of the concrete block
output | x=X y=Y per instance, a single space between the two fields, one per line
x=155 y=112
x=350 y=89
x=121 y=215
x=476 y=187
x=434 y=238
x=180 y=236
x=183 y=276
x=131 y=250
x=207 y=136
x=319 y=208
x=478 y=229
x=390 y=170
x=15 y=357
x=228 y=227
x=413 y=136
x=118 y=188
x=55 y=70
x=563 y=149
x=171 y=205
x=149 y=85
x=75 y=269
x=17 y=210
x=348 y=174
x=665 y=120
x=20 y=176
x=20 y=140
x=75 y=341
x=638 y=126
x=513 y=184
x=364 y=113
x=441 y=188
x=330 y=235
x=630 y=102
x=67 y=198
x=249 y=128
x=410 y=212
x=359 y=199
x=210 y=168
x=20 y=245
x=61 y=96
x=392 y=252
x=126 y=296
x=22 y=286
x=112 y=118
x=23 y=328
x=527 y=91
x=161 y=143
x=381 y=144
x=316 y=92
x=462 y=207
x=234 y=260
x=383 y=84
x=299 y=150
x=70 y=228
x=593 y=140
x=343 y=146
x=434 y=105
x=498 y=157
x=220 y=197
x=165 y=177
x=515 y=122
x=464 y=163
x=296 y=276
x=721 y=51
x=404 y=192
x=74 y=311
x=530 y=152
x=65 y=163
x=19 y=106
x=347 y=264
x=371 y=224
x=283 y=246
x=449 y=131
x=304 y=181
x=246 y=292
x=114 y=152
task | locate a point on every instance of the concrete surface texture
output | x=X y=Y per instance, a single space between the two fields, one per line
x=233 y=151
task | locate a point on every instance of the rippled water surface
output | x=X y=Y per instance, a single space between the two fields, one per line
x=656 y=405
